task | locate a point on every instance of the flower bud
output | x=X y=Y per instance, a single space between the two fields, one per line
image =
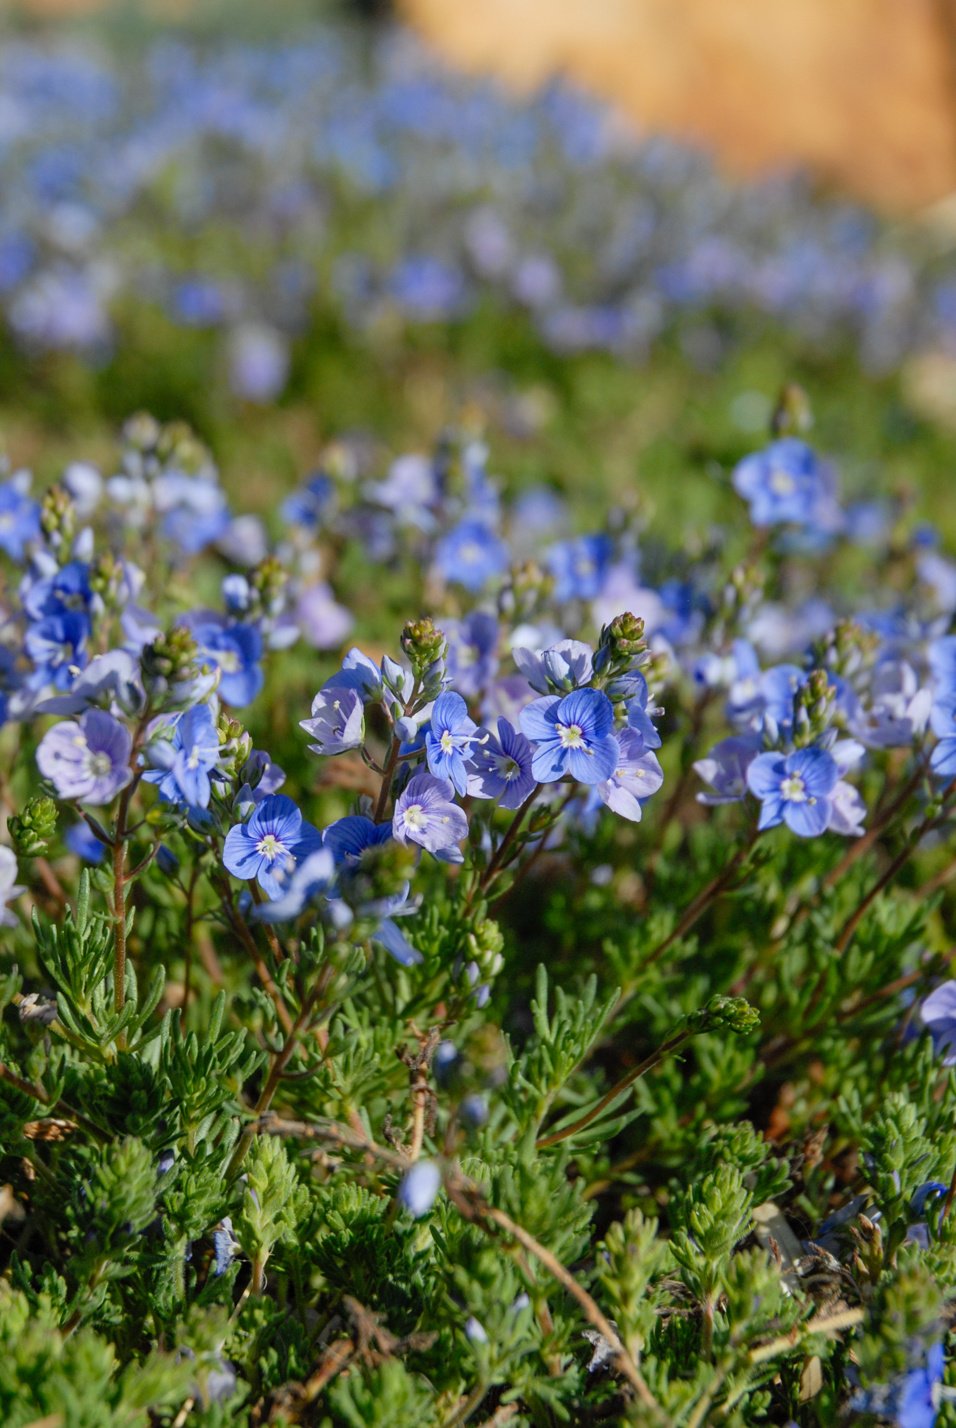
x=423 y=644
x=31 y=830
x=419 y=1187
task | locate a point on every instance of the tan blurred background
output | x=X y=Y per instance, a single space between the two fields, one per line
x=862 y=91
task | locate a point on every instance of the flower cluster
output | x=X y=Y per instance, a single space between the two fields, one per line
x=346 y=901
x=108 y=158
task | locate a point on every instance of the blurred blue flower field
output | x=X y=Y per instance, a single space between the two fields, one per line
x=478 y=722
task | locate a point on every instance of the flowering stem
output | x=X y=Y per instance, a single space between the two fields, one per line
x=392 y=761
x=279 y=1063
x=699 y=904
x=119 y=907
x=471 y=1204
x=245 y=936
x=932 y=821
x=510 y=834
x=617 y=1090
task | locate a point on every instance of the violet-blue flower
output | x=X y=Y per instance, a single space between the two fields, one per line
x=235 y=649
x=425 y=814
x=338 y=720
x=449 y=738
x=500 y=766
x=89 y=759
x=559 y=668
x=57 y=646
x=419 y=1187
x=578 y=566
x=638 y=775
x=471 y=555
x=19 y=518
x=270 y=845
x=786 y=482
x=572 y=736
x=795 y=789
x=938 y=1015
x=184 y=763
x=943 y=722
x=725 y=768
x=9 y=887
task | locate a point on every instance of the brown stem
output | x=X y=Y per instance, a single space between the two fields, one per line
x=926 y=826
x=245 y=936
x=469 y=1201
x=391 y=763
x=616 y=1090
x=119 y=905
x=699 y=904
x=511 y=833
x=279 y=1063
x=38 y=1094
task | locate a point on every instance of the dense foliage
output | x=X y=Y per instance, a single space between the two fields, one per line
x=537 y=1013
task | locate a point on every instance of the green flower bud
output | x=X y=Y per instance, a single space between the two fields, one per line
x=792 y=415
x=31 y=830
x=423 y=644
x=58 y=517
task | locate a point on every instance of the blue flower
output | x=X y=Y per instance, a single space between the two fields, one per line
x=637 y=776
x=579 y=565
x=235 y=650
x=572 y=736
x=795 y=789
x=183 y=764
x=338 y=720
x=19 y=519
x=471 y=652
x=471 y=555
x=89 y=759
x=56 y=644
x=500 y=766
x=65 y=589
x=449 y=738
x=943 y=723
x=560 y=668
x=348 y=838
x=270 y=845
x=83 y=842
x=419 y=1187
x=938 y=1015
x=786 y=482
x=425 y=814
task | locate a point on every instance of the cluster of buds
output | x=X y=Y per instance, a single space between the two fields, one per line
x=813 y=707
x=848 y=650
x=173 y=675
x=793 y=415
x=525 y=592
x=733 y=1013
x=31 y=830
x=424 y=648
x=621 y=650
x=58 y=520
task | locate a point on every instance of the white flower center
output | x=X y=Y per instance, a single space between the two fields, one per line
x=100 y=765
x=508 y=768
x=270 y=847
x=447 y=742
x=781 y=482
x=415 y=816
x=571 y=736
x=794 y=789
